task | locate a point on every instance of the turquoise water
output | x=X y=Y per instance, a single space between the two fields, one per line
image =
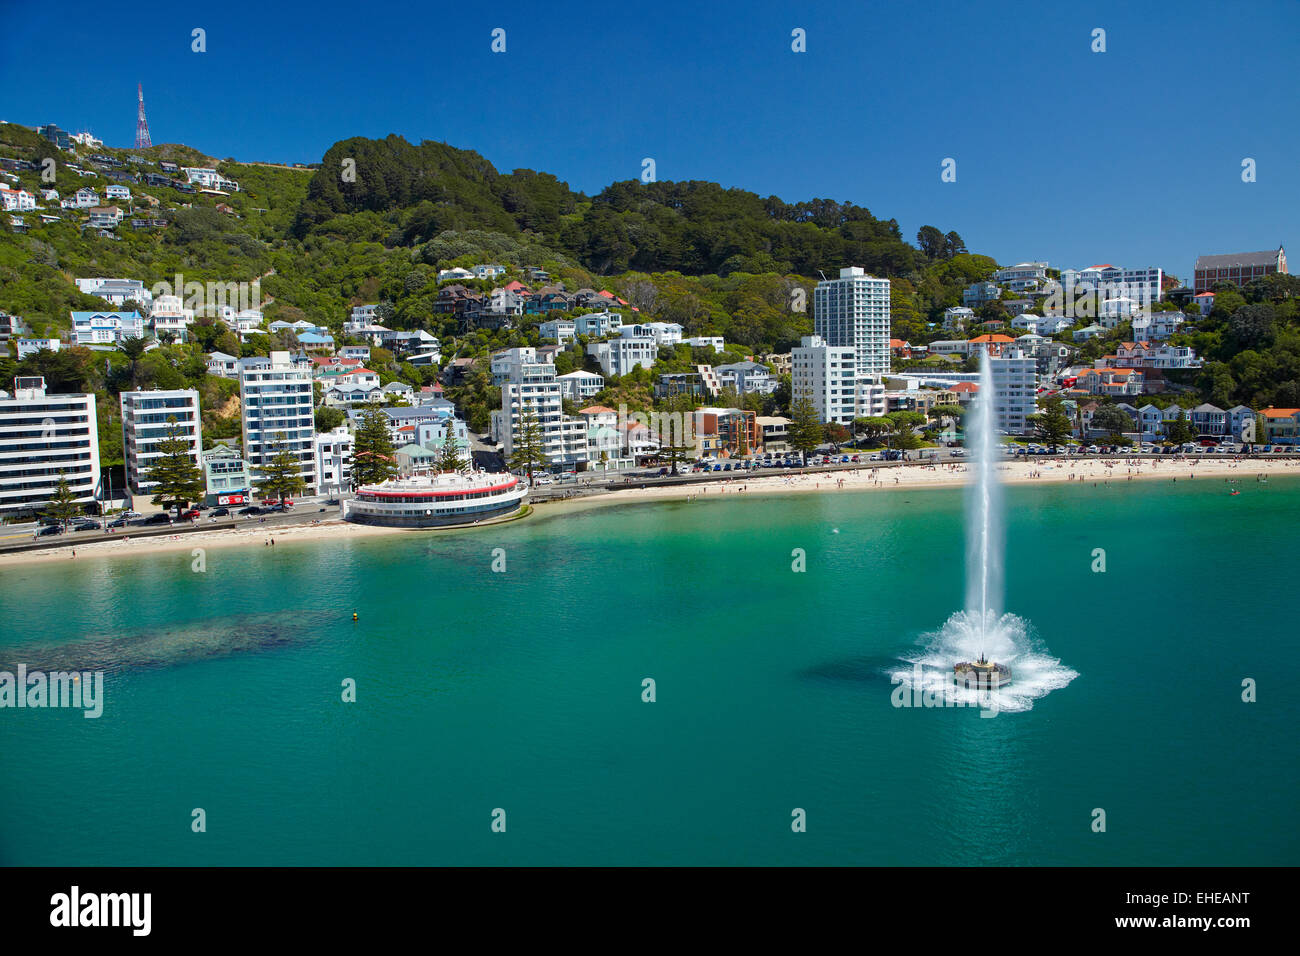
x=522 y=691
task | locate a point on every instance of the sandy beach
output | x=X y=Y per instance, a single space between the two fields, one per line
x=763 y=482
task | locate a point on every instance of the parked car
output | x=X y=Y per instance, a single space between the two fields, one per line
x=250 y=510
x=86 y=526
x=220 y=513
x=160 y=518
x=49 y=529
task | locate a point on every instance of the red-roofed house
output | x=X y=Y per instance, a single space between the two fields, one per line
x=995 y=343
x=1281 y=425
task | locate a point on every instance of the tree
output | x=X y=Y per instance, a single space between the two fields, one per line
x=282 y=475
x=903 y=424
x=373 y=457
x=449 y=456
x=133 y=349
x=875 y=427
x=1180 y=430
x=1113 y=420
x=174 y=473
x=63 y=505
x=931 y=242
x=329 y=418
x=675 y=431
x=1052 y=424
x=528 y=449
x=805 y=429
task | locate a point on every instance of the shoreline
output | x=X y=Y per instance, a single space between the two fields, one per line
x=907 y=477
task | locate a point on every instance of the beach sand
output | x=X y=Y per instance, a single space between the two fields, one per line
x=763 y=482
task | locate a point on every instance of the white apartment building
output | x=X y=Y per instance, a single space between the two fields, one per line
x=564 y=439
x=827 y=376
x=621 y=355
x=43 y=437
x=1015 y=390
x=145 y=424
x=514 y=364
x=1145 y=285
x=278 y=413
x=853 y=311
x=333 y=466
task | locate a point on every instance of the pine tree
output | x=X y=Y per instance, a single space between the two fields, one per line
x=806 y=431
x=676 y=432
x=1180 y=429
x=449 y=457
x=63 y=505
x=177 y=477
x=373 y=458
x=529 y=449
x=282 y=475
x=1052 y=423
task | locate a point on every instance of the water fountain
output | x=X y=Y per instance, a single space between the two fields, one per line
x=970 y=659
x=984 y=541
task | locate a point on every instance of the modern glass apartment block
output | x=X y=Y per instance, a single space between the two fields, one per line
x=1015 y=390
x=42 y=438
x=853 y=311
x=145 y=424
x=278 y=414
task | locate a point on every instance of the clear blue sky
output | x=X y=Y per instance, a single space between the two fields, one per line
x=1132 y=156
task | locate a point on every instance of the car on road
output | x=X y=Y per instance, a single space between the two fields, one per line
x=250 y=510
x=49 y=529
x=160 y=518
x=85 y=526
x=220 y=513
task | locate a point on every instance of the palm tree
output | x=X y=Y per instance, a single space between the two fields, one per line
x=132 y=348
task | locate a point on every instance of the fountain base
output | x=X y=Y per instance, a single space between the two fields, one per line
x=981 y=675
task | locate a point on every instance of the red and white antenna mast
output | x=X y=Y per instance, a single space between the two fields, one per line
x=142 y=140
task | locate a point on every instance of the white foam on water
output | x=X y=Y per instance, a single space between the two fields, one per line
x=1005 y=639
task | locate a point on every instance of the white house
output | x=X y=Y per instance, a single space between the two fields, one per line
x=115 y=191
x=558 y=330
x=598 y=324
x=226 y=366
x=621 y=355
x=28 y=347
x=706 y=341
x=581 y=385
